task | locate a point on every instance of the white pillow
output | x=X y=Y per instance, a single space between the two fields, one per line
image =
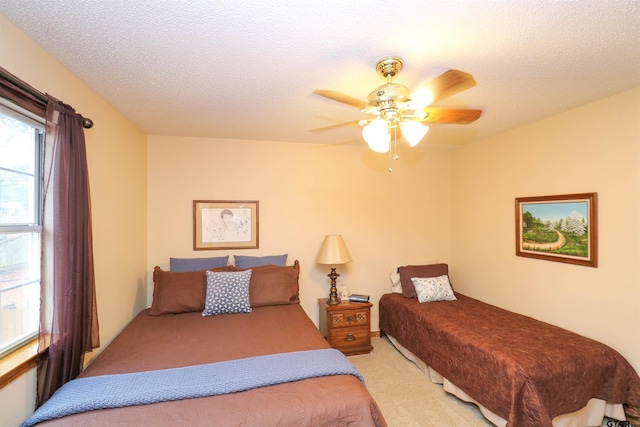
x=394 y=276
x=431 y=289
x=227 y=292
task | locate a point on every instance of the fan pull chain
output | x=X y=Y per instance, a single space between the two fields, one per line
x=393 y=155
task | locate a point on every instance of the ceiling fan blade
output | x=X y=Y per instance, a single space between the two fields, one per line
x=355 y=122
x=450 y=116
x=449 y=83
x=341 y=97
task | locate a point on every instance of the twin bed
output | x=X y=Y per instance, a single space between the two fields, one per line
x=174 y=334
x=519 y=371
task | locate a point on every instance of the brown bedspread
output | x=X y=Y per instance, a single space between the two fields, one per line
x=524 y=370
x=158 y=342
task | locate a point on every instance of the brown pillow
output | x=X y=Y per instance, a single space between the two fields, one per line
x=179 y=292
x=409 y=271
x=273 y=285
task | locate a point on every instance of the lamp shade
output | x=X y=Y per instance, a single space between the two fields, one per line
x=377 y=135
x=333 y=251
x=413 y=131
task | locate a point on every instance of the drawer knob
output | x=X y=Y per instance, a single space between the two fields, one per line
x=349 y=337
x=349 y=318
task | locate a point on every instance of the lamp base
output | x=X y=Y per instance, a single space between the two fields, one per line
x=333 y=291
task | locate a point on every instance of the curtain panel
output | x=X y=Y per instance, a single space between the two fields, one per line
x=68 y=317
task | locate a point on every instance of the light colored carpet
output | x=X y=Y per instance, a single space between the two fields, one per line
x=407 y=397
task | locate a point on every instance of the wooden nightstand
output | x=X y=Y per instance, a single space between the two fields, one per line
x=347 y=326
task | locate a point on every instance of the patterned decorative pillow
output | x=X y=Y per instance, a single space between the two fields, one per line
x=227 y=292
x=431 y=289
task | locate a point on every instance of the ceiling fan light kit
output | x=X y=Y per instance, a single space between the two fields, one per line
x=396 y=108
x=377 y=136
x=413 y=132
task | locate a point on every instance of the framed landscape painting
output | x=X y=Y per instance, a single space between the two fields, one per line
x=560 y=228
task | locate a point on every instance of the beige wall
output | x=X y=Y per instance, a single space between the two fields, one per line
x=305 y=192
x=116 y=153
x=593 y=148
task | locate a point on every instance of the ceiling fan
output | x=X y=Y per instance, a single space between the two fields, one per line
x=394 y=108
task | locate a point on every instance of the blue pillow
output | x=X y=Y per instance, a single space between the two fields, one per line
x=227 y=292
x=196 y=264
x=258 y=261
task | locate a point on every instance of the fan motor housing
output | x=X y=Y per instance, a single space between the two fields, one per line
x=390 y=93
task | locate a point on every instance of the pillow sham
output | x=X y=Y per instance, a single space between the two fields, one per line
x=409 y=271
x=196 y=264
x=274 y=285
x=227 y=292
x=179 y=292
x=243 y=261
x=431 y=289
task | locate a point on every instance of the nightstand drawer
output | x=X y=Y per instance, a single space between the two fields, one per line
x=349 y=318
x=354 y=337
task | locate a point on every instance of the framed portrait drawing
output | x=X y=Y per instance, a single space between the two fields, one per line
x=225 y=224
x=560 y=228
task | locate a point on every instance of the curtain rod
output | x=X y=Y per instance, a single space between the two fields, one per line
x=87 y=123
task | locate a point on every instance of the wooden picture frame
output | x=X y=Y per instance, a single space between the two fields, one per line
x=225 y=224
x=560 y=228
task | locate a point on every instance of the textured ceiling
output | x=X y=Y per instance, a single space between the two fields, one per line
x=247 y=69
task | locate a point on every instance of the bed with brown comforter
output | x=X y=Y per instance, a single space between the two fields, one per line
x=153 y=342
x=525 y=371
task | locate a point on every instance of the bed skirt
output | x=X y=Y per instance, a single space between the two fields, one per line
x=591 y=415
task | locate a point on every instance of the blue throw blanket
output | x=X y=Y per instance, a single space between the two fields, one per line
x=139 y=388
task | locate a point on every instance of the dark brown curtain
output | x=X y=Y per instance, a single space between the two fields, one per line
x=69 y=321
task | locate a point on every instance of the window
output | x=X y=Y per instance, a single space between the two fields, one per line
x=21 y=142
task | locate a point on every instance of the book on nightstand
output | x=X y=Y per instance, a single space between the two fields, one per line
x=358 y=298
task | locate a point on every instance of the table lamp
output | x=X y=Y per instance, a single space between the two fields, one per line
x=333 y=252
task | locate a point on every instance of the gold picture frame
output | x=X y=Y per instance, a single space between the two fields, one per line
x=560 y=228
x=225 y=224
